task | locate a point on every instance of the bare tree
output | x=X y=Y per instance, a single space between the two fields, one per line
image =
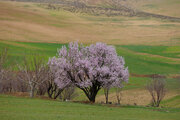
x=3 y=58
x=20 y=86
x=52 y=89
x=42 y=88
x=33 y=72
x=157 y=91
x=5 y=81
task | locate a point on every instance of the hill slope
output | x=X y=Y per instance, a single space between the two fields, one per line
x=30 y=22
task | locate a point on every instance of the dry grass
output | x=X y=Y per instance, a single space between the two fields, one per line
x=135 y=96
x=34 y=24
x=164 y=7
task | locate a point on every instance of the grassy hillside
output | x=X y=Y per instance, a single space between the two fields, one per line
x=29 y=22
x=164 y=7
x=148 y=63
x=139 y=40
x=140 y=59
x=37 y=109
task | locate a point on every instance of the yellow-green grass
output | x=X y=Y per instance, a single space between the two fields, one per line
x=35 y=24
x=17 y=108
x=173 y=102
x=164 y=7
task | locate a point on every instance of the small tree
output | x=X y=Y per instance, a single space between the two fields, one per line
x=89 y=68
x=21 y=86
x=5 y=73
x=33 y=72
x=6 y=81
x=157 y=91
x=3 y=58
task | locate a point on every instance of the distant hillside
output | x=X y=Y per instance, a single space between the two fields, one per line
x=34 y=22
x=131 y=8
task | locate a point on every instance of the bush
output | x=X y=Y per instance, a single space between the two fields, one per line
x=157 y=91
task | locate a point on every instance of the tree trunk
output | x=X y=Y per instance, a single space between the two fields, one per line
x=50 y=91
x=118 y=99
x=32 y=92
x=57 y=93
x=118 y=95
x=92 y=99
x=91 y=92
x=106 y=93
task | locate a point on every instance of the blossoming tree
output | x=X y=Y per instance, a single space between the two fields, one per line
x=89 y=68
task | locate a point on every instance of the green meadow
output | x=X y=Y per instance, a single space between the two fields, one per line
x=164 y=61
x=17 y=108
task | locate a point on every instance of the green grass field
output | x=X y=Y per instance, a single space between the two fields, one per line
x=37 y=109
x=150 y=63
x=165 y=63
x=173 y=102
